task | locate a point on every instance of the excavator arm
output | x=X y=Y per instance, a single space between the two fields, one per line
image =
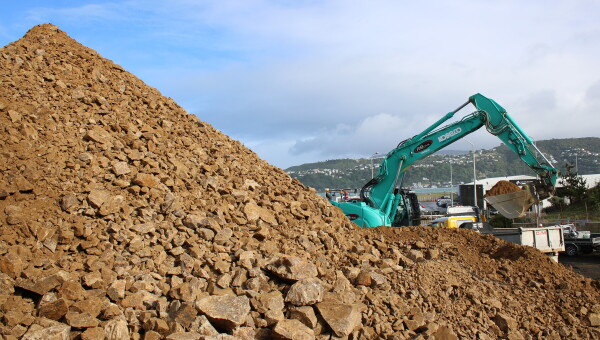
x=499 y=123
x=382 y=195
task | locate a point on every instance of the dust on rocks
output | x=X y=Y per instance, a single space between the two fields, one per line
x=124 y=217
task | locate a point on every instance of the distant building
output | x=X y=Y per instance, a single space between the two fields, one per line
x=590 y=180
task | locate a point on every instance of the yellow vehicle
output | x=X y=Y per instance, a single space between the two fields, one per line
x=451 y=221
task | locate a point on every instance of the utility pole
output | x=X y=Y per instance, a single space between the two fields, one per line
x=451 y=187
x=373 y=155
x=474 y=174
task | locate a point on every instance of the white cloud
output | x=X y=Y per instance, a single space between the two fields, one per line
x=337 y=78
x=592 y=94
x=364 y=138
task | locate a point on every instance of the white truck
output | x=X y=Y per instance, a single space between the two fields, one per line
x=548 y=240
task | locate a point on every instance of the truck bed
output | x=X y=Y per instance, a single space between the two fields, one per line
x=547 y=239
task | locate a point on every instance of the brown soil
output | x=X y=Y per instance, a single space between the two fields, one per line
x=501 y=188
x=122 y=216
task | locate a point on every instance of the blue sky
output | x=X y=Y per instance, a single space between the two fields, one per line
x=302 y=81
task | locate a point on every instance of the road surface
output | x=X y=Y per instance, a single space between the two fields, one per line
x=586 y=265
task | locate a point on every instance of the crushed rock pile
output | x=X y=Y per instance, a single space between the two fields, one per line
x=124 y=217
x=501 y=188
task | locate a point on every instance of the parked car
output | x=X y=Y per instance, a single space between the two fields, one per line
x=443 y=201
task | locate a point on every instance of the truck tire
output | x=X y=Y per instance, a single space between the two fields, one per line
x=571 y=250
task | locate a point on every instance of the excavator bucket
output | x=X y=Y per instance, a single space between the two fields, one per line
x=512 y=205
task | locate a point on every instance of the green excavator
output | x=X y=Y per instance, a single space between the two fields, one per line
x=383 y=202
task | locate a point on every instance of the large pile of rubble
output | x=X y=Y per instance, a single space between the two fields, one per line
x=122 y=216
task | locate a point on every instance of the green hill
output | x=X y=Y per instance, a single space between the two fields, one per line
x=434 y=171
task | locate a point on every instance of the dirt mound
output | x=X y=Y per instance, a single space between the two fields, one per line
x=125 y=217
x=501 y=188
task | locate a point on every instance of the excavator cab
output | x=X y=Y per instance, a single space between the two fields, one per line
x=408 y=211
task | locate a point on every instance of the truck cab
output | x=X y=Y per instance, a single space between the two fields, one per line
x=452 y=221
x=579 y=242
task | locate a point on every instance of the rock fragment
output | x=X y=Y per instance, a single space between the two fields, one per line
x=121 y=168
x=505 y=322
x=269 y=301
x=594 y=319
x=81 y=320
x=97 y=198
x=98 y=135
x=116 y=329
x=54 y=310
x=55 y=332
x=186 y=315
x=292 y=330
x=68 y=201
x=93 y=334
x=292 y=268
x=342 y=318
x=306 y=292
x=225 y=311
x=304 y=314
x=146 y=180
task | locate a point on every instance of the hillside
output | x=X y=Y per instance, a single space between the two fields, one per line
x=434 y=171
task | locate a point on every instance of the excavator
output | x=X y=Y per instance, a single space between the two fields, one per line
x=383 y=201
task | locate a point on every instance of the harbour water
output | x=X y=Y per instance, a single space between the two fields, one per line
x=436 y=190
x=430 y=192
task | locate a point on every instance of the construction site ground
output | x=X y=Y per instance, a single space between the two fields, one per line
x=586 y=265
